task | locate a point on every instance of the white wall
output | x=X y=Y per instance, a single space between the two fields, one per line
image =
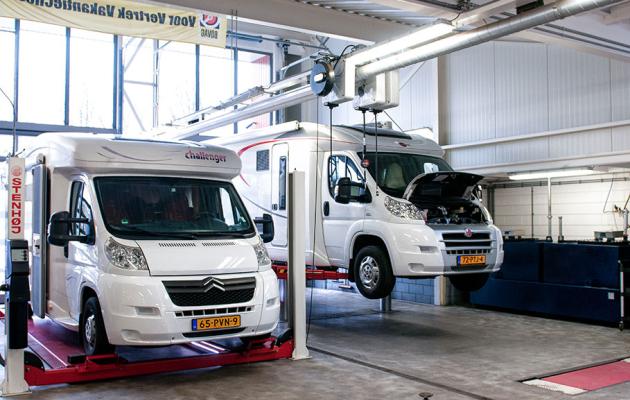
x=505 y=89
x=583 y=207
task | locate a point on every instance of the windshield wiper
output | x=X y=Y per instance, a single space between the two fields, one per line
x=224 y=234
x=135 y=229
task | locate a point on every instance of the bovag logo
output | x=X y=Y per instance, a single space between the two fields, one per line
x=209 y=26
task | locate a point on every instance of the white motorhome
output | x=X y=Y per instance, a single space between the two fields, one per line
x=148 y=243
x=422 y=220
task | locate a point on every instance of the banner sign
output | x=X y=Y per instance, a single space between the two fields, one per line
x=15 y=206
x=123 y=17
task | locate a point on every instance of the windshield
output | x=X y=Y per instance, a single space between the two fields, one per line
x=175 y=208
x=396 y=170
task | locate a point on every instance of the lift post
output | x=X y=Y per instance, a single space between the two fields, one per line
x=16 y=283
x=297 y=272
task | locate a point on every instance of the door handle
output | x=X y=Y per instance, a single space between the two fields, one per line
x=274 y=207
x=326 y=208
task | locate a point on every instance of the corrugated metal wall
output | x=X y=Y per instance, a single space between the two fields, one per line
x=503 y=89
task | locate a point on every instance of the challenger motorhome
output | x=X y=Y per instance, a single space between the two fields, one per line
x=382 y=204
x=143 y=243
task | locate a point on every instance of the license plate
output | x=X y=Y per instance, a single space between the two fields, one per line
x=228 y=321
x=471 y=260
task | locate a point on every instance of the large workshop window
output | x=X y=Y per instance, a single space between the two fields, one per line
x=42 y=73
x=139 y=85
x=254 y=69
x=91 y=79
x=7 y=67
x=176 y=82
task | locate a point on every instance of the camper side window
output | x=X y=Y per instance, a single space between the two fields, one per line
x=282 y=184
x=79 y=208
x=343 y=167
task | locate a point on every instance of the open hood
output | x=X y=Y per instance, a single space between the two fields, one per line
x=445 y=184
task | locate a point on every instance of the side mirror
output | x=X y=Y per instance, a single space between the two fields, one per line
x=343 y=190
x=478 y=192
x=59 y=229
x=265 y=227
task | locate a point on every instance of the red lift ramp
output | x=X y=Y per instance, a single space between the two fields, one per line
x=58 y=358
x=312 y=274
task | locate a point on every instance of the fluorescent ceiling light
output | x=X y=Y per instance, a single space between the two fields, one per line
x=562 y=173
x=414 y=39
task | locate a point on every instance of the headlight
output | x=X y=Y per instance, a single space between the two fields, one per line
x=264 y=262
x=486 y=214
x=125 y=257
x=403 y=209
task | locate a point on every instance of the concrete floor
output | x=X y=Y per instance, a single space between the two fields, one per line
x=357 y=353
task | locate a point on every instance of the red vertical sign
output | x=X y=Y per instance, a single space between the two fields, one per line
x=15 y=206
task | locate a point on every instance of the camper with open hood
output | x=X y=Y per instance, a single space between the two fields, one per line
x=381 y=203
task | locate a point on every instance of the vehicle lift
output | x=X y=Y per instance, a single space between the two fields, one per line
x=55 y=357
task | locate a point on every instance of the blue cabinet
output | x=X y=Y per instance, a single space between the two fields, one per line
x=585 y=281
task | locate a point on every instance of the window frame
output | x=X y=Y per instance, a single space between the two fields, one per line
x=282 y=182
x=76 y=210
x=349 y=164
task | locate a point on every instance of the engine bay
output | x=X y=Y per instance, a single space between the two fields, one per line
x=456 y=212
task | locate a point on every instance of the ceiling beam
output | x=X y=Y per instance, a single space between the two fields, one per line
x=617 y=14
x=301 y=17
x=488 y=9
x=543 y=37
x=418 y=7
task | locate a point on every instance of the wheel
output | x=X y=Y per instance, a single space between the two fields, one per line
x=469 y=282
x=93 y=333
x=373 y=273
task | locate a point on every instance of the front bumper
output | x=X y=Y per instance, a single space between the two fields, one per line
x=138 y=311
x=419 y=251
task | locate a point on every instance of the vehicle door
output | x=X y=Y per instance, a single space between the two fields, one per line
x=279 y=201
x=339 y=218
x=81 y=256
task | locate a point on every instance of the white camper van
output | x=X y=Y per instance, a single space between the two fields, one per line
x=148 y=243
x=421 y=220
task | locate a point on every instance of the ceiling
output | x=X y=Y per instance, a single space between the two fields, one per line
x=604 y=32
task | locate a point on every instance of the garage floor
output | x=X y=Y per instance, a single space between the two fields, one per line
x=358 y=353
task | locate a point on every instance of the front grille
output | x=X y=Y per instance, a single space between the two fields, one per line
x=213 y=311
x=217 y=332
x=211 y=291
x=459 y=241
x=462 y=236
x=468 y=251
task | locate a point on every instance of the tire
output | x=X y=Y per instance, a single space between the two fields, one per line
x=93 y=335
x=373 y=273
x=469 y=282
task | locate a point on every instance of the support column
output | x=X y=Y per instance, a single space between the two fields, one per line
x=297 y=269
x=440 y=129
x=386 y=304
x=549 y=215
x=14 y=383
